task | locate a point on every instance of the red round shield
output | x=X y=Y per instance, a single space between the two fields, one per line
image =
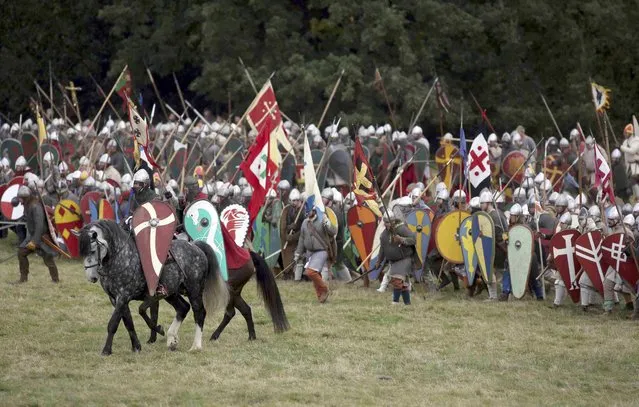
x=512 y=166
x=11 y=191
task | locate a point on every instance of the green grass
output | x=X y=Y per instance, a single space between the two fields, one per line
x=356 y=350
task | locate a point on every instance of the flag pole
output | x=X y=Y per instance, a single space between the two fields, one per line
x=248 y=75
x=551 y=115
x=179 y=90
x=421 y=108
x=101 y=91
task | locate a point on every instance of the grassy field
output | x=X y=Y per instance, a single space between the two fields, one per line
x=355 y=350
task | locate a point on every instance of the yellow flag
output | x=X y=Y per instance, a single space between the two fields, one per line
x=42 y=131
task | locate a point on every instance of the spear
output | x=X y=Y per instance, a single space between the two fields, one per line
x=421 y=108
x=484 y=116
x=157 y=93
x=101 y=91
x=177 y=85
x=551 y=115
x=330 y=99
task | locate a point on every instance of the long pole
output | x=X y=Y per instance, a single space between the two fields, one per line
x=179 y=90
x=330 y=99
x=181 y=142
x=101 y=91
x=157 y=93
x=421 y=108
x=484 y=116
x=248 y=75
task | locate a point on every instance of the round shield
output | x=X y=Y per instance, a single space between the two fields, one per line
x=11 y=149
x=235 y=219
x=201 y=222
x=468 y=249
x=512 y=166
x=67 y=219
x=447 y=239
x=520 y=255
x=8 y=210
x=362 y=224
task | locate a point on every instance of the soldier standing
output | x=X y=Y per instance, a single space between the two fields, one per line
x=315 y=237
x=397 y=247
x=37 y=227
x=294 y=225
x=342 y=272
x=630 y=147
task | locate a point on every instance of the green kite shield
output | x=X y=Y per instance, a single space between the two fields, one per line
x=29 y=142
x=260 y=235
x=446 y=239
x=289 y=169
x=50 y=148
x=418 y=222
x=11 y=149
x=201 y=222
x=468 y=249
x=520 y=255
x=483 y=230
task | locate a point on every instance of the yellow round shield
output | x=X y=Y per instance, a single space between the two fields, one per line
x=447 y=236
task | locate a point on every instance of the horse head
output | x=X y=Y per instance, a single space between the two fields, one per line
x=94 y=248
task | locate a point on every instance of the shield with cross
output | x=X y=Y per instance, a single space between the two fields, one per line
x=362 y=224
x=448 y=163
x=520 y=256
x=553 y=172
x=564 y=255
x=613 y=250
x=588 y=248
x=153 y=225
x=478 y=165
x=67 y=220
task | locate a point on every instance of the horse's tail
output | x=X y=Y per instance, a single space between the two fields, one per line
x=270 y=293
x=216 y=293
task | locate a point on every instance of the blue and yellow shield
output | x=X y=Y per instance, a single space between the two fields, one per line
x=468 y=249
x=483 y=231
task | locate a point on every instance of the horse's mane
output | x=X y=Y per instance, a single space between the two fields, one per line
x=111 y=231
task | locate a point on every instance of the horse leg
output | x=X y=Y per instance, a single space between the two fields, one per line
x=181 y=310
x=112 y=327
x=245 y=310
x=228 y=316
x=128 y=323
x=199 y=314
x=154 y=304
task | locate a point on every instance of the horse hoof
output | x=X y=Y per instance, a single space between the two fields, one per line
x=214 y=337
x=106 y=352
x=159 y=330
x=252 y=338
x=194 y=349
x=151 y=340
x=172 y=344
x=173 y=347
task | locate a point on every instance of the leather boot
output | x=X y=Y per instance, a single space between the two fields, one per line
x=321 y=290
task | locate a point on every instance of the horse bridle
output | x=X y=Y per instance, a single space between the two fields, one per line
x=99 y=264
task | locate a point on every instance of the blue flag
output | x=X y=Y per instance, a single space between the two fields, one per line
x=462 y=148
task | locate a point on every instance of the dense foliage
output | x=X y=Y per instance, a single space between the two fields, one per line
x=505 y=52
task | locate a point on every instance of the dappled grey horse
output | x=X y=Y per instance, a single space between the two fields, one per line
x=111 y=257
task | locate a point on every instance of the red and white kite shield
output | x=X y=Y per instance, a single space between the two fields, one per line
x=613 y=249
x=153 y=224
x=8 y=210
x=589 y=255
x=564 y=254
x=235 y=219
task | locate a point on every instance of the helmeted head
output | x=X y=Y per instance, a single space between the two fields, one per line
x=459 y=199
x=565 y=221
x=295 y=198
x=447 y=139
x=21 y=163
x=474 y=203
x=415 y=195
x=520 y=196
x=635 y=209
x=583 y=217
x=613 y=217
x=515 y=214
x=517 y=140
x=629 y=130
x=485 y=200
x=417 y=132
x=24 y=193
x=616 y=155
x=441 y=198
x=626 y=209
x=141 y=180
x=327 y=196
x=574 y=134
x=629 y=221
x=492 y=140
x=561 y=204
x=564 y=143
x=191 y=188
x=595 y=213
x=103 y=162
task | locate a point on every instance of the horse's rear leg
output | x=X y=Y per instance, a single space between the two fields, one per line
x=228 y=316
x=245 y=310
x=154 y=304
x=128 y=323
x=199 y=314
x=181 y=310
